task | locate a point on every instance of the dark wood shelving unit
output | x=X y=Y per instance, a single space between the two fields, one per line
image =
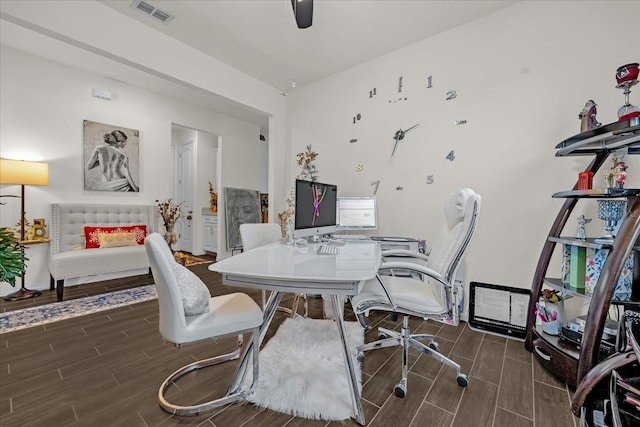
x=570 y=365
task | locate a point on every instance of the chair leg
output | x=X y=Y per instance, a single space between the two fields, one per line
x=296 y=301
x=387 y=342
x=59 y=289
x=230 y=397
x=400 y=389
x=405 y=340
x=432 y=351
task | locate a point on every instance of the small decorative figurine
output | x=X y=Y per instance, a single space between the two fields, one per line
x=587 y=116
x=616 y=176
x=622 y=175
x=582 y=234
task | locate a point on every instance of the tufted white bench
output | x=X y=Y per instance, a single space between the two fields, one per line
x=66 y=228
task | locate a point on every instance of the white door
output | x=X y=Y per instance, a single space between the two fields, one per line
x=184 y=194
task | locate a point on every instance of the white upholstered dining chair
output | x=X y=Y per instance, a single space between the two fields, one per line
x=430 y=290
x=189 y=314
x=259 y=234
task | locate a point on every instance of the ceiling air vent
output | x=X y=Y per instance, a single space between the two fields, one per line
x=151 y=10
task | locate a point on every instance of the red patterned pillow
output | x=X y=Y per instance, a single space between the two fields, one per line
x=91 y=234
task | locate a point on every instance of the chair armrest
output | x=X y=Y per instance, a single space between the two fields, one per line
x=404 y=253
x=415 y=268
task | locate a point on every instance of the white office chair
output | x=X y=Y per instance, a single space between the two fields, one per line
x=430 y=291
x=232 y=314
x=255 y=235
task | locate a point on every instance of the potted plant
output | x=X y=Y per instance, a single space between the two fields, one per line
x=170 y=213
x=12 y=259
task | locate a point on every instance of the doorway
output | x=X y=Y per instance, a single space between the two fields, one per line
x=184 y=194
x=194 y=166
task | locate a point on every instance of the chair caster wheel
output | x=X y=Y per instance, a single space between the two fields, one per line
x=400 y=390
x=434 y=346
x=462 y=380
x=360 y=357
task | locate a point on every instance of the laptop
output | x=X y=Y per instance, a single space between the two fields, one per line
x=499 y=310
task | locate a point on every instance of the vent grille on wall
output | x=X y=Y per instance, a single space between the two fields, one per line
x=151 y=10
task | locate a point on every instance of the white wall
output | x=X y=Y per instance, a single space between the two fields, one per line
x=82 y=33
x=522 y=75
x=43 y=104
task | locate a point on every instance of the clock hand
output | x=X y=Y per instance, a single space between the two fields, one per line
x=414 y=126
x=398 y=136
x=394 y=148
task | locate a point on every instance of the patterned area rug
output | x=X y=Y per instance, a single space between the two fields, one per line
x=34 y=316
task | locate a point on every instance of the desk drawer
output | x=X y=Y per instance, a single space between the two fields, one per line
x=562 y=366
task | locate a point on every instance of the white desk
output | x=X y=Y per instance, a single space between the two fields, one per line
x=281 y=268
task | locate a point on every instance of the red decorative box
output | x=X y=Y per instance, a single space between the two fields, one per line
x=585 y=180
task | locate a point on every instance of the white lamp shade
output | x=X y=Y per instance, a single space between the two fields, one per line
x=22 y=172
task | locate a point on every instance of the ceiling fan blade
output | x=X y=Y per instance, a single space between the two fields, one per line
x=303 y=11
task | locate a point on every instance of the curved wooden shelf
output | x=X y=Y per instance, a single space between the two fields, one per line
x=600 y=143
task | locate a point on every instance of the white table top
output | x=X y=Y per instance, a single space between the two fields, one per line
x=279 y=266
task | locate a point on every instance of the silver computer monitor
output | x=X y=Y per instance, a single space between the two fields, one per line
x=315 y=209
x=356 y=213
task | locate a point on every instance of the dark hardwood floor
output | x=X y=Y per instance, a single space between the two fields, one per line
x=104 y=369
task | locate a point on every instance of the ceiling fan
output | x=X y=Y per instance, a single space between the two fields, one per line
x=303 y=11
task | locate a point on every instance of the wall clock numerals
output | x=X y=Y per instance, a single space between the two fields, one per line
x=451 y=95
x=358 y=167
x=357 y=118
x=400 y=84
x=460 y=122
x=352 y=140
x=372 y=93
x=399 y=188
x=430 y=179
x=450 y=156
x=375 y=184
x=429 y=81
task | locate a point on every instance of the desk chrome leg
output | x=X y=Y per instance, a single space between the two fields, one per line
x=267 y=316
x=351 y=372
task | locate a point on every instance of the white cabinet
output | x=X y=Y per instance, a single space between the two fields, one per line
x=210 y=241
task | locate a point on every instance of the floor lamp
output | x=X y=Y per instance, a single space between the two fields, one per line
x=21 y=172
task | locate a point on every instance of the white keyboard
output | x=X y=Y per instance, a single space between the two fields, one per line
x=327 y=250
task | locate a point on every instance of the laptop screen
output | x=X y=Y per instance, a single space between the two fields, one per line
x=499 y=309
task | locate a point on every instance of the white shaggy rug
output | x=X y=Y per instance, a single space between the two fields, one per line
x=302 y=370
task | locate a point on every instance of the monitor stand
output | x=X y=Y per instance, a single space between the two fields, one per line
x=348 y=236
x=304 y=241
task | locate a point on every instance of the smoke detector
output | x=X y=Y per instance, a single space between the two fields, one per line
x=151 y=10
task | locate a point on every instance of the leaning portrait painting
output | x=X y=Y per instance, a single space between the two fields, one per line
x=111 y=157
x=242 y=206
